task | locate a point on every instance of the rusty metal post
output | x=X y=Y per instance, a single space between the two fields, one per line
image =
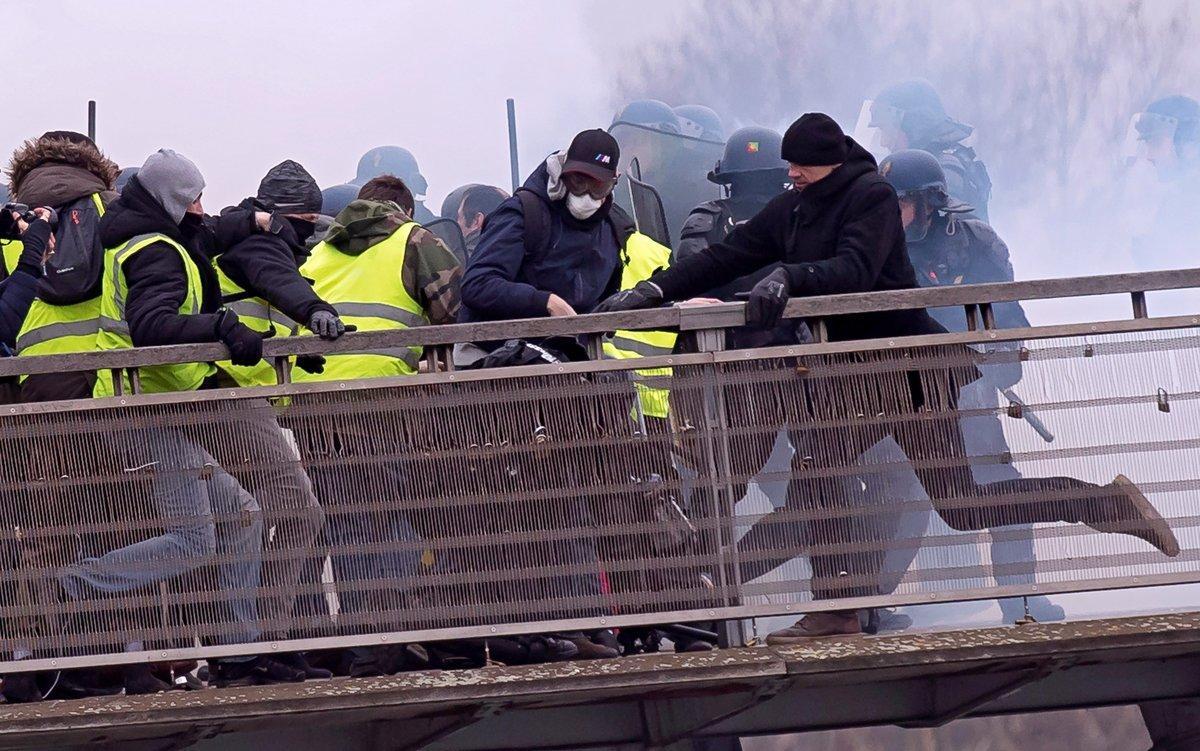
x=1139 y=305
x=730 y=633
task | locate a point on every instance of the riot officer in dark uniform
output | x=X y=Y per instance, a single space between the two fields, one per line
x=910 y=115
x=946 y=248
x=751 y=173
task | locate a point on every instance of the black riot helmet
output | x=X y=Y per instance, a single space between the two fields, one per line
x=1184 y=111
x=649 y=113
x=698 y=121
x=752 y=149
x=916 y=173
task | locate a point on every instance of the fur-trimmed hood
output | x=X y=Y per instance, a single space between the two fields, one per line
x=51 y=171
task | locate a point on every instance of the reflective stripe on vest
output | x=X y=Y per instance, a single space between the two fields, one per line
x=259 y=315
x=368 y=291
x=60 y=329
x=114 y=329
x=641 y=257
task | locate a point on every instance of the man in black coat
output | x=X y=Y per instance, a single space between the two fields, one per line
x=839 y=230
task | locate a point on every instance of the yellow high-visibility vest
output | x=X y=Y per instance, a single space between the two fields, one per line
x=258 y=314
x=114 y=326
x=641 y=257
x=368 y=292
x=59 y=329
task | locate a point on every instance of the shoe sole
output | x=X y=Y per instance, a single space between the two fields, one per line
x=1167 y=544
x=776 y=641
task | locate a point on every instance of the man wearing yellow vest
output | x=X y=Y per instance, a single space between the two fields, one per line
x=260 y=276
x=382 y=271
x=66 y=171
x=159 y=288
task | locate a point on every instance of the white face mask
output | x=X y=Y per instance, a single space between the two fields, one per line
x=582 y=207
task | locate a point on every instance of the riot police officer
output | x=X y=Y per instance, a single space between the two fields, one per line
x=751 y=173
x=1162 y=183
x=910 y=115
x=946 y=248
x=673 y=151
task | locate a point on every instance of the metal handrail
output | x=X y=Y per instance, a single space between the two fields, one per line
x=684 y=318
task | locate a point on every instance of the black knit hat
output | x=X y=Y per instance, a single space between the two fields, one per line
x=289 y=189
x=814 y=140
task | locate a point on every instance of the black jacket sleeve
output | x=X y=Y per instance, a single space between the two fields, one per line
x=16 y=295
x=157 y=288
x=220 y=233
x=748 y=248
x=19 y=289
x=864 y=242
x=266 y=266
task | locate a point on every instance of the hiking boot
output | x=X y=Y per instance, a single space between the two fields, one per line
x=1133 y=506
x=20 y=688
x=140 y=679
x=298 y=661
x=607 y=638
x=550 y=649
x=260 y=671
x=370 y=662
x=589 y=649
x=816 y=625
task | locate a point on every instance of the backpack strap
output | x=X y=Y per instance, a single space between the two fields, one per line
x=536 y=220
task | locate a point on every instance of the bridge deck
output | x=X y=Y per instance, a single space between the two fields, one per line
x=658 y=700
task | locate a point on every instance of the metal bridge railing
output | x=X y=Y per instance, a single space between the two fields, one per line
x=466 y=504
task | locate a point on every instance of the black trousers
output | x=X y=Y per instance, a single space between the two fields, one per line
x=837 y=407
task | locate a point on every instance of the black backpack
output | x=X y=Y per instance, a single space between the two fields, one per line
x=537 y=221
x=74 y=269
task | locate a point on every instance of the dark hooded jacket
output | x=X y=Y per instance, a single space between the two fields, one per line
x=840 y=235
x=19 y=288
x=156 y=275
x=580 y=262
x=267 y=264
x=56 y=172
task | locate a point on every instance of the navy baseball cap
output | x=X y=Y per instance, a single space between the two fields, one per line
x=593 y=153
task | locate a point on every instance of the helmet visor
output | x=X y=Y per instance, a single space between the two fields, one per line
x=1148 y=132
x=867 y=133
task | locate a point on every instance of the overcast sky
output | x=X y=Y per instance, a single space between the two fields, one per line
x=240 y=86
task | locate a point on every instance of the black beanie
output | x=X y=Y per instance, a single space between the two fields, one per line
x=814 y=140
x=289 y=189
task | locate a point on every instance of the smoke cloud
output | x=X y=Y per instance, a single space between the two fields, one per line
x=1049 y=86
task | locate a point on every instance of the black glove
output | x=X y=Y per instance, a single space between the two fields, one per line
x=643 y=295
x=8 y=224
x=767 y=300
x=326 y=325
x=36 y=238
x=314 y=364
x=244 y=343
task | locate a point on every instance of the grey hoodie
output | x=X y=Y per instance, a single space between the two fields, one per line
x=172 y=180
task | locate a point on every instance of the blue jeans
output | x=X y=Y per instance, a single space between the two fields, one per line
x=203 y=519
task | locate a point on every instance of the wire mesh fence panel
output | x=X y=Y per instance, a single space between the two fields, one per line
x=538 y=499
x=907 y=475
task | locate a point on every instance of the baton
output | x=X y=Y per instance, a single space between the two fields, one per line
x=1028 y=416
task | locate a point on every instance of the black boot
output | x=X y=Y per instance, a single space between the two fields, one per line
x=298 y=661
x=140 y=679
x=21 y=688
x=260 y=671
